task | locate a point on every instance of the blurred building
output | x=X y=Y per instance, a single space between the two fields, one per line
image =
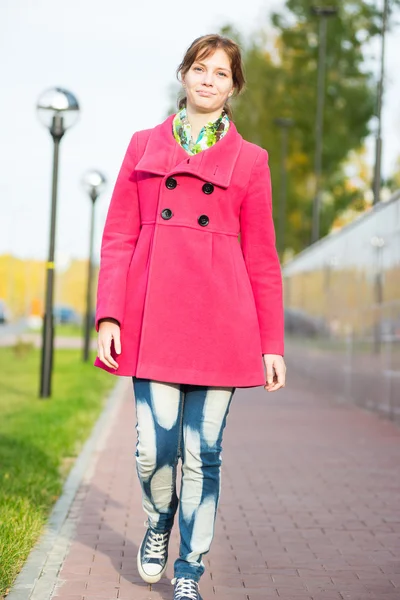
x=342 y=303
x=22 y=285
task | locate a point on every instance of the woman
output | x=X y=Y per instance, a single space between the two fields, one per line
x=184 y=308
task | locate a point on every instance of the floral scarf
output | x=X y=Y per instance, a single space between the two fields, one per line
x=208 y=136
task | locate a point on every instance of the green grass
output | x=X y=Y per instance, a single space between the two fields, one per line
x=39 y=440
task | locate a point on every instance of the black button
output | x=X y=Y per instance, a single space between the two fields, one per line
x=171 y=183
x=203 y=220
x=208 y=188
x=166 y=213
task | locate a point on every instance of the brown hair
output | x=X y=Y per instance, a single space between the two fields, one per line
x=204 y=46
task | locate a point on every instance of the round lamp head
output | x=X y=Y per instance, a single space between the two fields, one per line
x=93 y=182
x=284 y=122
x=377 y=242
x=57 y=103
x=324 y=11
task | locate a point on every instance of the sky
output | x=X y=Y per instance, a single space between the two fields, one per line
x=119 y=58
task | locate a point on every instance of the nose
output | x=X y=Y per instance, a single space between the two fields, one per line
x=208 y=78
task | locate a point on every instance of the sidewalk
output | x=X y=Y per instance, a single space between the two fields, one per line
x=310 y=507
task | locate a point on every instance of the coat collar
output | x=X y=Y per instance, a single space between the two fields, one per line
x=164 y=156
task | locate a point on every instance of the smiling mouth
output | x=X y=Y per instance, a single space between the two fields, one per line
x=204 y=93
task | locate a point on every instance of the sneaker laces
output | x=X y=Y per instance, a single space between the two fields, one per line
x=156 y=545
x=185 y=588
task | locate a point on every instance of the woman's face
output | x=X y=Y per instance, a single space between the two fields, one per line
x=208 y=83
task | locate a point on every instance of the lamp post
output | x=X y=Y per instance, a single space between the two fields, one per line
x=323 y=12
x=378 y=143
x=284 y=125
x=58 y=110
x=93 y=182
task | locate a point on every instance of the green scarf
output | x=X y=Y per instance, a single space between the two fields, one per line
x=208 y=136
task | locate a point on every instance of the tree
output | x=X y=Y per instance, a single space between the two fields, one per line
x=282 y=82
x=393 y=182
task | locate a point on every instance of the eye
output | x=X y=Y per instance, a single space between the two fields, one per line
x=197 y=68
x=223 y=74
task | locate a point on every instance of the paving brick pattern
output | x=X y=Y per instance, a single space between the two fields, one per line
x=310 y=507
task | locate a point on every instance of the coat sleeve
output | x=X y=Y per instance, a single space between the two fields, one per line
x=257 y=240
x=121 y=232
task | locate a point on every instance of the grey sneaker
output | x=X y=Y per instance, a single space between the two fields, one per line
x=185 y=589
x=152 y=556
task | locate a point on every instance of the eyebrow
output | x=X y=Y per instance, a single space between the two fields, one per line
x=218 y=68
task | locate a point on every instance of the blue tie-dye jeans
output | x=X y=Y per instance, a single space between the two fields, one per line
x=181 y=421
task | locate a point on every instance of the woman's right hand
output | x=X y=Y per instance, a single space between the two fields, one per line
x=109 y=329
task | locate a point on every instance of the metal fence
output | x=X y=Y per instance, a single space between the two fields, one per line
x=342 y=303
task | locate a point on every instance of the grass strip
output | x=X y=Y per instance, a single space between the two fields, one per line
x=39 y=441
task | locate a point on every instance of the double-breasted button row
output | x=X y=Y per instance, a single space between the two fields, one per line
x=167 y=213
x=171 y=184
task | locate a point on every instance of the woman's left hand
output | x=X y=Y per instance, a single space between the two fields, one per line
x=275 y=372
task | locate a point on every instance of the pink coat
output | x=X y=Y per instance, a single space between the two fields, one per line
x=195 y=304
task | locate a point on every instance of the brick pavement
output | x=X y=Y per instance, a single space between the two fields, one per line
x=310 y=507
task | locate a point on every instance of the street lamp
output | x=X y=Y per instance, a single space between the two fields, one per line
x=93 y=182
x=323 y=12
x=378 y=142
x=284 y=125
x=58 y=110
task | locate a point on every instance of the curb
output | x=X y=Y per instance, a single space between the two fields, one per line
x=38 y=578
